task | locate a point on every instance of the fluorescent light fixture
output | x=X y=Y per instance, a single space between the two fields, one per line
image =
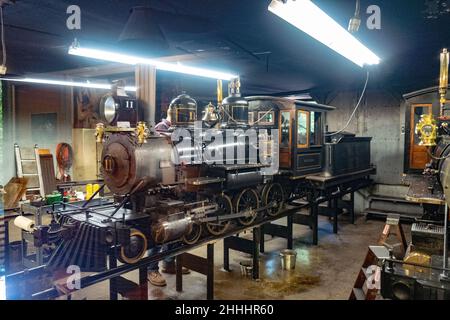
x=66 y=83
x=309 y=18
x=160 y=65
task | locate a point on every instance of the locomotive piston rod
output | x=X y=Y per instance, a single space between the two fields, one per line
x=178 y=225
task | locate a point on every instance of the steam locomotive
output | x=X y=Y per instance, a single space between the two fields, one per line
x=423 y=274
x=243 y=162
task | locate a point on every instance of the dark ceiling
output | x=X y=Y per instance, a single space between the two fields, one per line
x=241 y=36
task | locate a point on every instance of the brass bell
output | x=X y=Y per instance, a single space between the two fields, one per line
x=210 y=117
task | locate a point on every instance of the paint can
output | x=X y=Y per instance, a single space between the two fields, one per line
x=246 y=268
x=288 y=259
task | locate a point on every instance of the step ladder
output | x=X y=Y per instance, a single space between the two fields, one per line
x=30 y=168
x=393 y=227
x=367 y=284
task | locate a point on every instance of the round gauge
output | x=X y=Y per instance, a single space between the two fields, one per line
x=427 y=130
x=108 y=108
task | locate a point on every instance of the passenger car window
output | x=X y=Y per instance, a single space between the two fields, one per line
x=285 y=129
x=266 y=118
x=302 y=129
x=315 y=129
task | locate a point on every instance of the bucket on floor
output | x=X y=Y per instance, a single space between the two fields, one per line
x=246 y=268
x=288 y=259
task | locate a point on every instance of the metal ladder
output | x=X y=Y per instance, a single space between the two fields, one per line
x=30 y=168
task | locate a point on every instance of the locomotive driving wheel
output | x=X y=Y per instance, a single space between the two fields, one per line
x=135 y=250
x=195 y=232
x=225 y=205
x=247 y=201
x=273 y=195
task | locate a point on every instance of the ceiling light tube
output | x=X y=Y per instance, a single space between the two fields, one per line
x=66 y=83
x=309 y=18
x=160 y=65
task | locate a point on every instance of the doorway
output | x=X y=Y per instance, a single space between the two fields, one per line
x=418 y=156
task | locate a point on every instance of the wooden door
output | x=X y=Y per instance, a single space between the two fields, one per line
x=418 y=155
x=286 y=117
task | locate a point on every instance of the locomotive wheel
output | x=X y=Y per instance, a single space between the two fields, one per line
x=194 y=234
x=247 y=200
x=135 y=250
x=273 y=194
x=220 y=227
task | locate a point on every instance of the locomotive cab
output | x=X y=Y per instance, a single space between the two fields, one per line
x=300 y=128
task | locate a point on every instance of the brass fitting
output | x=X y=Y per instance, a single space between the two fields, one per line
x=219 y=92
x=142 y=132
x=426 y=130
x=99 y=132
x=443 y=79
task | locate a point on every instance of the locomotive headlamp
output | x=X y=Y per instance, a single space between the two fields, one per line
x=108 y=108
x=117 y=107
x=426 y=130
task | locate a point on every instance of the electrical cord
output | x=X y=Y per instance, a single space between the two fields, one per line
x=354 y=111
x=358 y=8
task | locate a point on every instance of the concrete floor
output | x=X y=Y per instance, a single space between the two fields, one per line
x=323 y=272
